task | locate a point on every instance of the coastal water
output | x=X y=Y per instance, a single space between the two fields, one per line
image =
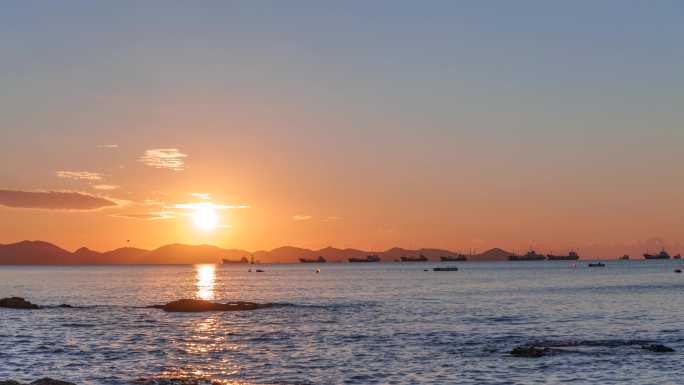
x=387 y=323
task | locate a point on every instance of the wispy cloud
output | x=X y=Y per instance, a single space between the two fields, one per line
x=161 y=210
x=79 y=175
x=106 y=187
x=301 y=217
x=108 y=146
x=167 y=158
x=148 y=216
x=54 y=200
x=331 y=219
x=195 y=205
x=204 y=196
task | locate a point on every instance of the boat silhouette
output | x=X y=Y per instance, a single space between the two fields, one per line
x=529 y=256
x=320 y=259
x=662 y=255
x=370 y=258
x=572 y=256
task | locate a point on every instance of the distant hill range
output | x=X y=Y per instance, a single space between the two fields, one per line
x=43 y=253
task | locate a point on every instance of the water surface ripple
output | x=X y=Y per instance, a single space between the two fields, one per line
x=351 y=324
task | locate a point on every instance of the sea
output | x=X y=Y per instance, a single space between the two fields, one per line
x=367 y=323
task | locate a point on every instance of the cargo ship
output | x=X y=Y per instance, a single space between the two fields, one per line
x=454 y=258
x=572 y=256
x=420 y=258
x=662 y=255
x=529 y=256
x=316 y=260
x=370 y=258
x=231 y=261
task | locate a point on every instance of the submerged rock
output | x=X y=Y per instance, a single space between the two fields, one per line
x=199 y=305
x=42 y=381
x=50 y=381
x=17 y=303
x=174 y=381
x=657 y=348
x=529 y=351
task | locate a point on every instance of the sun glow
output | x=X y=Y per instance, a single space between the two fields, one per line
x=205 y=217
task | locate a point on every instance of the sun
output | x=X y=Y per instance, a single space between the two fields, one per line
x=205 y=217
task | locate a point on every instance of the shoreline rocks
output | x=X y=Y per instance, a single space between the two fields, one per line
x=17 y=303
x=543 y=348
x=42 y=381
x=657 y=348
x=529 y=351
x=198 y=305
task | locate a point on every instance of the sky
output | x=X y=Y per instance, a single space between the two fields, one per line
x=256 y=124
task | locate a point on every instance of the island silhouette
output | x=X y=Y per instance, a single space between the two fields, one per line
x=45 y=253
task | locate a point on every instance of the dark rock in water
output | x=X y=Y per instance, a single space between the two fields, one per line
x=174 y=381
x=50 y=381
x=42 y=381
x=198 y=305
x=529 y=351
x=64 y=305
x=656 y=348
x=17 y=303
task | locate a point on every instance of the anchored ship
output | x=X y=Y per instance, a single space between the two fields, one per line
x=316 y=260
x=625 y=257
x=662 y=255
x=454 y=258
x=370 y=258
x=529 y=256
x=421 y=258
x=229 y=261
x=572 y=256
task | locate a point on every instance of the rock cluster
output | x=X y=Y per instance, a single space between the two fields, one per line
x=529 y=351
x=656 y=348
x=198 y=305
x=175 y=381
x=42 y=381
x=542 y=348
x=17 y=303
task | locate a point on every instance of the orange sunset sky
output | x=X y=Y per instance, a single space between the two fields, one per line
x=255 y=126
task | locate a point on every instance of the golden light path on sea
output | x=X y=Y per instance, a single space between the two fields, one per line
x=206 y=275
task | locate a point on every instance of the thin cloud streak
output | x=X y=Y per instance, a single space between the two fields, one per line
x=192 y=206
x=107 y=146
x=331 y=219
x=54 y=200
x=301 y=217
x=148 y=216
x=204 y=196
x=105 y=187
x=79 y=175
x=165 y=158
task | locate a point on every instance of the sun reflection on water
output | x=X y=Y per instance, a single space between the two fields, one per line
x=206 y=275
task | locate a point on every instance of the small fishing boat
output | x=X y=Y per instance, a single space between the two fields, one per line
x=453 y=268
x=420 y=258
x=320 y=259
x=597 y=264
x=678 y=271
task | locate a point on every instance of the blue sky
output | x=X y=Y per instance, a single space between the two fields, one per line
x=467 y=103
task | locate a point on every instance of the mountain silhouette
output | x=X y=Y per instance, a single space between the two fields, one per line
x=40 y=253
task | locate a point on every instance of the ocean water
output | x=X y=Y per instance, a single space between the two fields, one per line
x=387 y=323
